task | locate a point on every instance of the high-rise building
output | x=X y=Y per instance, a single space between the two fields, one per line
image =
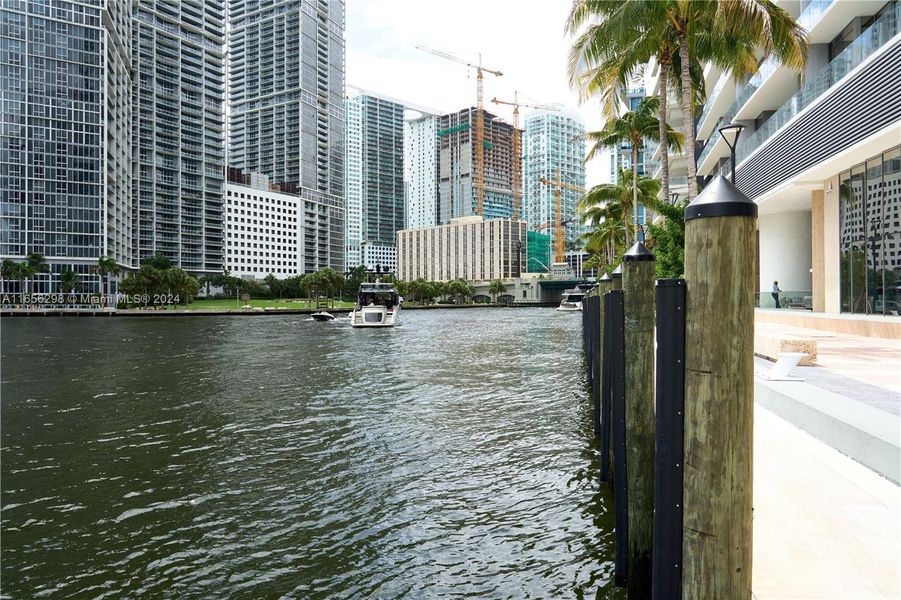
x=469 y=248
x=421 y=171
x=179 y=70
x=820 y=156
x=457 y=195
x=553 y=144
x=268 y=231
x=374 y=181
x=65 y=139
x=286 y=97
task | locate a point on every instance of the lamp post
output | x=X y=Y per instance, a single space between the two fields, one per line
x=673 y=198
x=730 y=134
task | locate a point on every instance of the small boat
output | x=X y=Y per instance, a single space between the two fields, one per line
x=378 y=305
x=572 y=300
x=323 y=316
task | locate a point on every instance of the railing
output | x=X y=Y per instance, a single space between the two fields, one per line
x=813 y=12
x=720 y=84
x=796 y=299
x=875 y=37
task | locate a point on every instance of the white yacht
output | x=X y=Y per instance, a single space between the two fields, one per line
x=572 y=300
x=378 y=305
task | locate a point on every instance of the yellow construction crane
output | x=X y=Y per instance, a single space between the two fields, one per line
x=480 y=120
x=558 y=185
x=517 y=147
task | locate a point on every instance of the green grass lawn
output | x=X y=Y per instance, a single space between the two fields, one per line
x=232 y=304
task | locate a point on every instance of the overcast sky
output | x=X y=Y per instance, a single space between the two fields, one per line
x=524 y=39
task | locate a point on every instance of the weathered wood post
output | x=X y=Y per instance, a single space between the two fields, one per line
x=617 y=276
x=617 y=362
x=639 y=299
x=719 y=393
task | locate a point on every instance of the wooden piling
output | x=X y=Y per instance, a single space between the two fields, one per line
x=616 y=277
x=639 y=300
x=602 y=408
x=719 y=393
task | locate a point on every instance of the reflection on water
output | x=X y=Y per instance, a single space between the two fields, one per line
x=255 y=457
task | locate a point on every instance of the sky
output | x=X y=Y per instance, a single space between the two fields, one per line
x=524 y=39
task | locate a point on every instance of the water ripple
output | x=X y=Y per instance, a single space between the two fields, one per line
x=271 y=457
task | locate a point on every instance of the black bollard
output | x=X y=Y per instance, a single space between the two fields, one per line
x=670 y=405
x=618 y=422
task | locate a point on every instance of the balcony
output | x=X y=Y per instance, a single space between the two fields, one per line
x=871 y=40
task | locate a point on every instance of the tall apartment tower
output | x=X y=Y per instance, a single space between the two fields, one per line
x=286 y=96
x=179 y=71
x=456 y=167
x=421 y=171
x=553 y=141
x=65 y=145
x=375 y=180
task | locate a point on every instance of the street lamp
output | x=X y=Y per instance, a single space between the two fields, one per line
x=673 y=198
x=730 y=133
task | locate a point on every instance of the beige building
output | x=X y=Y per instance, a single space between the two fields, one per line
x=467 y=248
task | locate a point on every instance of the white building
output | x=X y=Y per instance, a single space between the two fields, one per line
x=420 y=171
x=820 y=155
x=267 y=231
x=469 y=248
x=553 y=143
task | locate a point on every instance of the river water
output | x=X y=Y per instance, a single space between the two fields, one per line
x=273 y=456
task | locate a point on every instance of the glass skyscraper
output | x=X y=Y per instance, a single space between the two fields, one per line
x=553 y=141
x=179 y=133
x=375 y=180
x=65 y=140
x=286 y=96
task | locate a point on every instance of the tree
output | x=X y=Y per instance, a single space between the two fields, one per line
x=459 y=289
x=159 y=261
x=7 y=273
x=497 y=287
x=21 y=272
x=36 y=264
x=103 y=269
x=69 y=281
x=633 y=127
x=605 y=209
x=355 y=277
x=180 y=284
x=667 y=240
x=682 y=34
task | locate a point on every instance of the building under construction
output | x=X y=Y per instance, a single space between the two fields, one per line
x=457 y=195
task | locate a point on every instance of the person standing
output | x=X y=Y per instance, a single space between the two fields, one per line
x=776 y=291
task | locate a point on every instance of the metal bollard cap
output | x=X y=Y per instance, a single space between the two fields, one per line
x=720 y=199
x=604 y=278
x=617 y=272
x=638 y=252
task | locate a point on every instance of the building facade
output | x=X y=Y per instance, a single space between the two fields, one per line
x=375 y=180
x=553 y=145
x=820 y=156
x=268 y=231
x=469 y=248
x=65 y=139
x=421 y=171
x=178 y=121
x=286 y=96
x=457 y=196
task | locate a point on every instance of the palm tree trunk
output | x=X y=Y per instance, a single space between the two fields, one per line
x=688 y=117
x=634 y=194
x=664 y=145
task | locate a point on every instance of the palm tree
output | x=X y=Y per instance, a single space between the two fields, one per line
x=7 y=272
x=36 y=264
x=633 y=127
x=606 y=209
x=731 y=34
x=103 y=269
x=69 y=281
x=497 y=287
x=21 y=272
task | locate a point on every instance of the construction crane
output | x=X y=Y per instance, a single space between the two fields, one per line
x=558 y=185
x=480 y=120
x=517 y=148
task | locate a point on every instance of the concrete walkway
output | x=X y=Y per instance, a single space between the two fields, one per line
x=825 y=526
x=872 y=360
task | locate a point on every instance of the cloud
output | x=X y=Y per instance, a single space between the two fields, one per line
x=522 y=38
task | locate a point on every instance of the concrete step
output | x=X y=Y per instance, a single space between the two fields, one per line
x=862 y=432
